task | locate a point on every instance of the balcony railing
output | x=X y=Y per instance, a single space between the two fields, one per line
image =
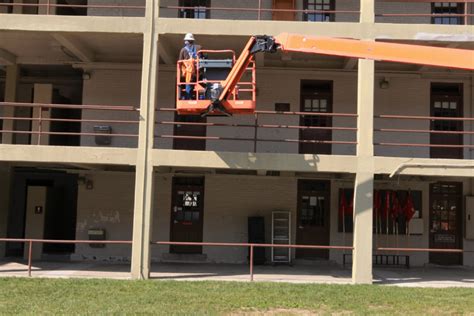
x=69 y=125
x=265 y=131
x=431 y=141
x=91 y=8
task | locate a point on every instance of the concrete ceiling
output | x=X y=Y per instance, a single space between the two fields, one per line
x=64 y=48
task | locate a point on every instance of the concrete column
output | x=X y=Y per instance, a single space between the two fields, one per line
x=143 y=208
x=43 y=93
x=11 y=86
x=364 y=184
x=44 y=9
x=367 y=11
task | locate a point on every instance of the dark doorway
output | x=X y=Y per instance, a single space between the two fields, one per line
x=446 y=222
x=312 y=224
x=187 y=213
x=60 y=210
x=189 y=130
x=446 y=101
x=316 y=97
x=79 y=10
x=71 y=129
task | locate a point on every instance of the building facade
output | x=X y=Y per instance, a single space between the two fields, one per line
x=91 y=145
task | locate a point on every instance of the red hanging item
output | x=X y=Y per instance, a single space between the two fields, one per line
x=409 y=208
x=342 y=205
x=396 y=208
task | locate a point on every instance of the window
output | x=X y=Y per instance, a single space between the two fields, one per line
x=319 y=5
x=447 y=8
x=194 y=9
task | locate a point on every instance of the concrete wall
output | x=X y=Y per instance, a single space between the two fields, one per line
x=109 y=206
x=407 y=95
x=228 y=202
x=112 y=87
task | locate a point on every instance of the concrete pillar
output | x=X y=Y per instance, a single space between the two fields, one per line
x=44 y=9
x=11 y=86
x=367 y=11
x=143 y=208
x=364 y=183
x=43 y=93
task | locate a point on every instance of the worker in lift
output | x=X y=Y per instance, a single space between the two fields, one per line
x=188 y=67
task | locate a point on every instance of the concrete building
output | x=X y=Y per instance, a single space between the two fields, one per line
x=92 y=148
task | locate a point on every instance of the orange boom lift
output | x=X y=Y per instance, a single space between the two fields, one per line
x=218 y=82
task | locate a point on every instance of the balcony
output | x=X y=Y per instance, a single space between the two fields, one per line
x=76 y=7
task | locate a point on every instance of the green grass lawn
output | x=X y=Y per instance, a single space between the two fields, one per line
x=80 y=296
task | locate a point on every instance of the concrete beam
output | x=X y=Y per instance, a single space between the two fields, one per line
x=254 y=161
x=65 y=155
x=58 y=23
x=82 y=52
x=350 y=63
x=167 y=55
x=7 y=58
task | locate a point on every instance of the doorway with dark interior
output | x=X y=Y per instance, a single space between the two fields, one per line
x=54 y=210
x=313 y=213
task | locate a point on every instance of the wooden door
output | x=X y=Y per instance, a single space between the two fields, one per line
x=446 y=101
x=187 y=213
x=312 y=225
x=446 y=222
x=316 y=96
x=283 y=15
x=189 y=130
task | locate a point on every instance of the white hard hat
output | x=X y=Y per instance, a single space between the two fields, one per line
x=189 y=37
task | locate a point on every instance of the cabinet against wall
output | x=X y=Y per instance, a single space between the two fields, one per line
x=281 y=232
x=283 y=5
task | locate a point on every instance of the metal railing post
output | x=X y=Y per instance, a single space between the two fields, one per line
x=30 y=250
x=259 y=10
x=40 y=123
x=251 y=262
x=48 y=7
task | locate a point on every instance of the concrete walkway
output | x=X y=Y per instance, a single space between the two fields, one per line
x=331 y=274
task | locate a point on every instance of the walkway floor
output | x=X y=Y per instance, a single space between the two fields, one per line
x=432 y=276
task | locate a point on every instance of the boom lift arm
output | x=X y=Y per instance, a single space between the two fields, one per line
x=381 y=51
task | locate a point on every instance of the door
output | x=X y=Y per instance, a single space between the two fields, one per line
x=445 y=222
x=446 y=101
x=313 y=218
x=316 y=97
x=283 y=5
x=187 y=213
x=189 y=130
